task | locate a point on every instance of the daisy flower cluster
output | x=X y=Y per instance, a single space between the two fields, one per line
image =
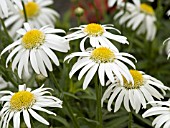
x=35 y=55
x=103 y=57
x=32 y=49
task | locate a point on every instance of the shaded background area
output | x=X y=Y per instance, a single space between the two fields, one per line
x=62 y=6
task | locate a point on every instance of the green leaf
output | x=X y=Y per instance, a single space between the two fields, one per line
x=61 y=120
x=71 y=95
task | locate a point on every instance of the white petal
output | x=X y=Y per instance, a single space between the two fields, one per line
x=126 y=101
x=155 y=111
x=101 y=73
x=33 y=61
x=114 y=94
x=79 y=64
x=26 y=118
x=11 y=46
x=43 y=110
x=90 y=75
x=85 y=69
x=119 y=100
x=51 y=54
x=12 y=54
x=38 y=117
x=45 y=59
x=16 y=120
x=27 y=27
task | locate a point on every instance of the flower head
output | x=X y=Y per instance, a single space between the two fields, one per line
x=105 y=61
x=37 y=12
x=139 y=17
x=27 y=102
x=143 y=90
x=97 y=34
x=35 y=47
x=161 y=109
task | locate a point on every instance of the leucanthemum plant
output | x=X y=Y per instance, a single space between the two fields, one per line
x=37 y=12
x=162 y=111
x=97 y=34
x=35 y=47
x=141 y=19
x=27 y=102
x=103 y=60
x=134 y=95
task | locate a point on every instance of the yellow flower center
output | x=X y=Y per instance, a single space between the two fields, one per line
x=94 y=29
x=32 y=9
x=138 y=80
x=22 y=100
x=102 y=55
x=33 y=38
x=147 y=9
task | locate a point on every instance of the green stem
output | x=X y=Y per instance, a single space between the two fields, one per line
x=98 y=88
x=130 y=120
x=5 y=29
x=125 y=6
x=78 y=21
x=25 y=13
x=65 y=101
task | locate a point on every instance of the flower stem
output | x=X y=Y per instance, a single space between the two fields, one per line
x=25 y=13
x=75 y=123
x=125 y=6
x=130 y=120
x=5 y=29
x=98 y=88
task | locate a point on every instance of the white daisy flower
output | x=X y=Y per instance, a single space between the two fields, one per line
x=27 y=102
x=5 y=6
x=143 y=90
x=112 y=2
x=98 y=35
x=104 y=60
x=141 y=18
x=35 y=47
x=163 y=114
x=37 y=12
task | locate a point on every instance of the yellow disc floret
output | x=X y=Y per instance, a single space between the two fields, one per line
x=102 y=55
x=138 y=80
x=22 y=100
x=33 y=38
x=32 y=9
x=147 y=9
x=94 y=29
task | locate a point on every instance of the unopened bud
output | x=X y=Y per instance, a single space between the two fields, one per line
x=79 y=11
x=40 y=79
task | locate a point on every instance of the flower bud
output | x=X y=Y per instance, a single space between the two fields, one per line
x=79 y=11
